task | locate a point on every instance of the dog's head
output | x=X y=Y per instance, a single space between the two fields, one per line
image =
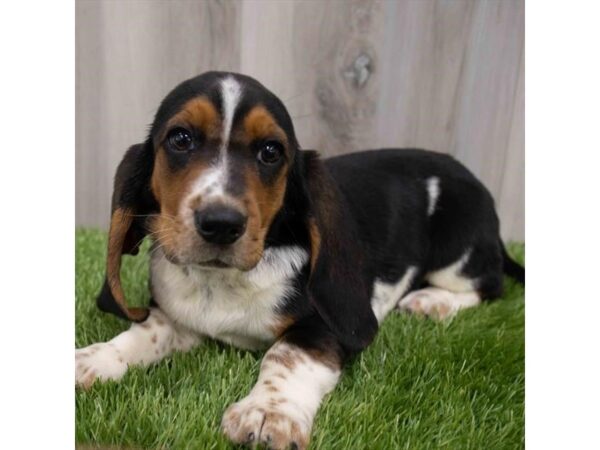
x=222 y=146
x=209 y=181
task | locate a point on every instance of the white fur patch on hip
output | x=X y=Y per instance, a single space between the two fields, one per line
x=433 y=191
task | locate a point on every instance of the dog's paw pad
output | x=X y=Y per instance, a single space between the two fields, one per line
x=250 y=423
x=98 y=362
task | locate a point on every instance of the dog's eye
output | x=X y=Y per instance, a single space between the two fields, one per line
x=270 y=152
x=180 y=139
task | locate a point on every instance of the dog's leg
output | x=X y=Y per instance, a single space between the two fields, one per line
x=476 y=276
x=280 y=409
x=143 y=344
x=451 y=291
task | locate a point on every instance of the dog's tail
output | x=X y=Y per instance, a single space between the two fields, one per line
x=512 y=268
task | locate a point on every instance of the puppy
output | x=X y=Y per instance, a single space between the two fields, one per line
x=260 y=244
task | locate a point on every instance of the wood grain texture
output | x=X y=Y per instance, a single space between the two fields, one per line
x=444 y=75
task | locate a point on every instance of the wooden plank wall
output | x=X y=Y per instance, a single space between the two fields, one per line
x=446 y=75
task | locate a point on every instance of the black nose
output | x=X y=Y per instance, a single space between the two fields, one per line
x=220 y=225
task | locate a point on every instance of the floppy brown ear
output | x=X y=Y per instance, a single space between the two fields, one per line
x=337 y=285
x=132 y=201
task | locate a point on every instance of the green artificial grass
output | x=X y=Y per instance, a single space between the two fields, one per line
x=420 y=385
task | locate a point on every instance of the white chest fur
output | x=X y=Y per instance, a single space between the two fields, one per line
x=236 y=307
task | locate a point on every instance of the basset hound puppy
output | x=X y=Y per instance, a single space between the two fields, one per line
x=260 y=244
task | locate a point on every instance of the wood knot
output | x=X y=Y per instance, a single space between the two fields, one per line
x=359 y=70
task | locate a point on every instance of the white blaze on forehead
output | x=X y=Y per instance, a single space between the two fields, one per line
x=433 y=189
x=231 y=92
x=212 y=182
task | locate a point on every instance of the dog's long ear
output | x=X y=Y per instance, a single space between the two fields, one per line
x=132 y=201
x=337 y=286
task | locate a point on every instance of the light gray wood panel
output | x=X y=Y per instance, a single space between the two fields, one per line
x=511 y=197
x=338 y=59
x=130 y=54
x=445 y=75
x=451 y=74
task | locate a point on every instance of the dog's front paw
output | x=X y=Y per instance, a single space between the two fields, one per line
x=98 y=362
x=274 y=423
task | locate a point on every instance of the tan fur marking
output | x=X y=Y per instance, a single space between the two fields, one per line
x=281 y=358
x=260 y=124
x=262 y=202
x=168 y=187
x=200 y=113
x=269 y=199
x=283 y=323
x=329 y=359
x=315 y=242
x=120 y=223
